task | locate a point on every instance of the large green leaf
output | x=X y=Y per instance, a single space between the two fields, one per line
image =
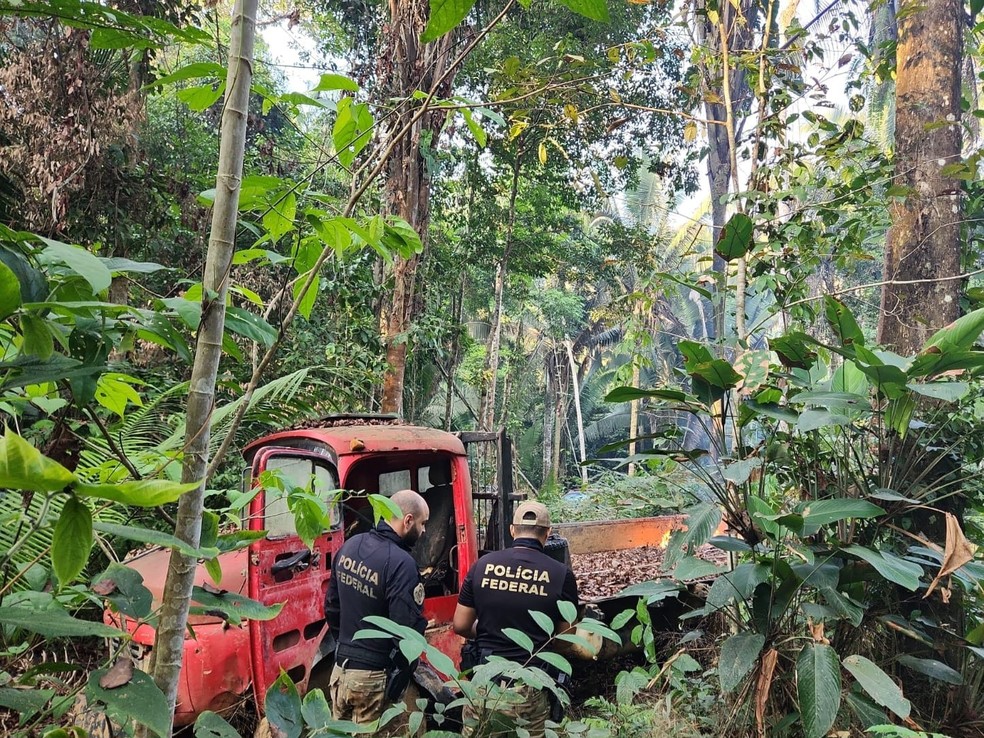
x=335 y=82
x=961 y=334
x=702 y=522
x=842 y=320
x=893 y=568
x=79 y=261
x=692 y=567
x=139 y=493
x=124 y=587
x=519 y=638
x=33 y=285
x=738 y=656
x=717 y=373
x=823 y=512
x=24 y=467
x=53 y=623
x=72 y=540
x=794 y=350
x=283 y=708
x=139 y=700
x=818 y=687
x=250 y=325
x=153 y=537
x=814 y=419
x=10 y=291
x=933 y=669
x=739 y=472
x=445 y=15
x=212 y=725
x=38 y=340
x=945 y=391
x=594 y=9
x=235 y=607
x=736 y=238
x=739 y=583
x=878 y=685
x=196 y=70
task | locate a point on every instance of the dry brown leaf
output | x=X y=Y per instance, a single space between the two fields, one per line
x=118 y=674
x=762 y=688
x=816 y=630
x=104 y=587
x=958 y=552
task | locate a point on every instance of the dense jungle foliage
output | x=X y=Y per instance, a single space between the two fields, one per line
x=714 y=258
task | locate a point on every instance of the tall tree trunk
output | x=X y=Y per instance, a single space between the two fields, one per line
x=923 y=248
x=173 y=617
x=734 y=28
x=405 y=66
x=491 y=369
x=576 y=389
x=549 y=417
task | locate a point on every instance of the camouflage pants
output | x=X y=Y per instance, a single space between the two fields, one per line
x=521 y=706
x=357 y=694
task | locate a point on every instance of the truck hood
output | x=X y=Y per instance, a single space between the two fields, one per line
x=152 y=566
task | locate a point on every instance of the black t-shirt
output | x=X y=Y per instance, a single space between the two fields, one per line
x=505 y=586
x=372 y=574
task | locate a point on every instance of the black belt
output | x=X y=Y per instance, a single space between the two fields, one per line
x=361 y=665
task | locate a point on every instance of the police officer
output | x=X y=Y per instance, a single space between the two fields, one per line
x=500 y=591
x=374 y=574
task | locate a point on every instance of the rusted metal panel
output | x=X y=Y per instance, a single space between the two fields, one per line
x=615 y=535
x=362 y=439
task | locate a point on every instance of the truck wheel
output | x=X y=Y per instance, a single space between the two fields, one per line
x=97 y=724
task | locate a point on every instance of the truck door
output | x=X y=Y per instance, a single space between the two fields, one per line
x=283 y=569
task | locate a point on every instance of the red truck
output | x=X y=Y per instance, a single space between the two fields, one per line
x=470 y=507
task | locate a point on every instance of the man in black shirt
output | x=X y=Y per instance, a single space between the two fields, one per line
x=501 y=591
x=374 y=574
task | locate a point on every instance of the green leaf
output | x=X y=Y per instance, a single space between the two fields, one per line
x=192 y=71
x=79 y=261
x=831 y=400
x=10 y=292
x=24 y=467
x=351 y=132
x=628 y=394
x=54 y=623
x=736 y=238
x=813 y=419
x=26 y=702
x=738 y=656
x=212 y=725
x=481 y=137
x=283 y=708
x=201 y=97
x=794 y=350
x=33 y=285
x=702 y=521
x=309 y=519
x=279 y=219
x=842 y=320
x=544 y=621
x=843 y=606
x=335 y=82
x=316 y=711
x=445 y=15
x=139 y=493
x=878 y=685
x=818 y=687
x=654 y=591
x=893 y=568
x=933 y=669
x=596 y=10
x=519 y=638
x=235 y=607
x=717 y=373
x=72 y=540
x=864 y=708
x=824 y=512
x=568 y=611
x=556 y=660
x=945 y=391
x=38 y=340
x=691 y=567
x=961 y=334
x=738 y=472
x=153 y=537
x=250 y=326
x=139 y=700
x=128 y=593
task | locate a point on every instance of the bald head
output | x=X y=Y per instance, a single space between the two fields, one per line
x=412 y=524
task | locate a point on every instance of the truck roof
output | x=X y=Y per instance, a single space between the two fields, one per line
x=351 y=436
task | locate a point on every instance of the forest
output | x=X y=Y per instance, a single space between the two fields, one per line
x=718 y=259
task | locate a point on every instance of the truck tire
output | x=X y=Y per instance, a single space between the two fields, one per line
x=556 y=548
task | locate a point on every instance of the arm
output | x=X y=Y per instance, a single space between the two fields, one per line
x=465 y=621
x=405 y=595
x=333 y=611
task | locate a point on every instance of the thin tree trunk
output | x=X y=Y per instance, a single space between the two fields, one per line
x=405 y=66
x=924 y=239
x=173 y=617
x=576 y=388
x=549 y=416
x=634 y=416
x=491 y=369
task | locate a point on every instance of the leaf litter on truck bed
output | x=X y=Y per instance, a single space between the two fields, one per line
x=605 y=573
